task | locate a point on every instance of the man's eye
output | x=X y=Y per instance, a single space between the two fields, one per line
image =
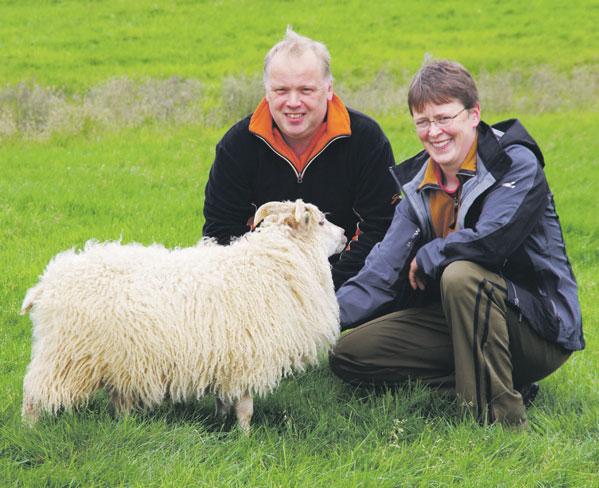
x=307 y=90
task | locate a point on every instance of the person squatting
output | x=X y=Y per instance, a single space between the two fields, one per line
x=469 y=289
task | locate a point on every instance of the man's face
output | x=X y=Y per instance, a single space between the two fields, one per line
x=297 y=94
x=448 y=141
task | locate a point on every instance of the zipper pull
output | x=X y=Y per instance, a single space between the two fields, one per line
x=300 y=178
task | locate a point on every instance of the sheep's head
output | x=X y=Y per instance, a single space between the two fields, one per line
x=303 y=218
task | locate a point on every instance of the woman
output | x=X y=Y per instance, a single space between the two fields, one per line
x=474 y=263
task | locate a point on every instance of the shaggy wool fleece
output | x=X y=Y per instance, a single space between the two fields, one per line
x=148 y=323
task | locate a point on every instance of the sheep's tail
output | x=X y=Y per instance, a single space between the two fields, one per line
x=30 y=298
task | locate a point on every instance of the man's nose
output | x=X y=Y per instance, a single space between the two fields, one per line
x=293 y=98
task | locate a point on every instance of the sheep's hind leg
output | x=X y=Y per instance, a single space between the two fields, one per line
x=244 y=409
x=223 y=408
x=51 y=385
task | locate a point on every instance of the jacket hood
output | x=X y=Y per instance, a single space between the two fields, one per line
x=515 y=133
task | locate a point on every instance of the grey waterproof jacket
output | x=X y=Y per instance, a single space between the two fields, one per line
x=506 y=222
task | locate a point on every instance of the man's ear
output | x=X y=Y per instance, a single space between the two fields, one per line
x=330 y=90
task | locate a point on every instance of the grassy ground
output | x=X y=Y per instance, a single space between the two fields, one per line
x=113 y=174
x=76 y=44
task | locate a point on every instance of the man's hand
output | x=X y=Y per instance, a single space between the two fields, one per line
x=415 y=277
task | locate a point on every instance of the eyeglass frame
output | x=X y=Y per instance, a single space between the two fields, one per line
x=440 y=122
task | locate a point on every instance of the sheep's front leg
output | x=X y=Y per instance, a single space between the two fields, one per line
x=30 y=412
x=244 y=409
x=222 y=407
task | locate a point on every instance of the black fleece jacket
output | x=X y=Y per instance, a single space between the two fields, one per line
x=349 y=180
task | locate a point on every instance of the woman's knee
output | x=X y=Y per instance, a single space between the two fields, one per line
x=347 y=370
x=359 y=357
x=459 y=274
x=348 y=355
x=461 y=278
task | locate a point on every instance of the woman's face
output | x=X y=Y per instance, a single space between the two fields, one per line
x=447 y=132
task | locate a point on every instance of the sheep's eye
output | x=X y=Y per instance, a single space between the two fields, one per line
x=321 y=222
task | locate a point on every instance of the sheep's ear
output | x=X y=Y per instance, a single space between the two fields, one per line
x=300 y=208
x=302 y=213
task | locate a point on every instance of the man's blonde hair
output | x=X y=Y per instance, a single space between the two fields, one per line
x=294 y=44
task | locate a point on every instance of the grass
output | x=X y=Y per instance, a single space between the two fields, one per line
x=36 y=112
x=75 y=44
x=149 y=89
x=405 y=438
x=313 y=430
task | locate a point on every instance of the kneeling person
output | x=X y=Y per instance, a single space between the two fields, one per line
x=492 y=303
x=303 y=142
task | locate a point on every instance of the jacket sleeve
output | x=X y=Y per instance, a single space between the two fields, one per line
x=373 y=188
x=228 y=195
x=373 y=287
x=509 y=212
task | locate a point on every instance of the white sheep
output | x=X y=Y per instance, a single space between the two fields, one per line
x=149 y=323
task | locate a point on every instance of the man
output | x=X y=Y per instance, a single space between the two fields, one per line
x=492 y=303
x=302 y=142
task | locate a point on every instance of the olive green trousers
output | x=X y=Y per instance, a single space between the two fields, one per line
x=471 y=343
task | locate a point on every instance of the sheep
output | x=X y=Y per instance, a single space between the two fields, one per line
x=149 y=323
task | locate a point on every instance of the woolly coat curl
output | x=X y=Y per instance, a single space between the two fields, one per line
x=148 y=323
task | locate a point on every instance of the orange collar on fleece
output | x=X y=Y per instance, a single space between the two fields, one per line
x=336 y=124
x=432 y=174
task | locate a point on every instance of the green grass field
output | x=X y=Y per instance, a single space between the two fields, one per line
x=109 y=114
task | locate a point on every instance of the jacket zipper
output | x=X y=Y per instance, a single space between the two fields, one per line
x=456 y=207
x=300 y=176
x=516 y=301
